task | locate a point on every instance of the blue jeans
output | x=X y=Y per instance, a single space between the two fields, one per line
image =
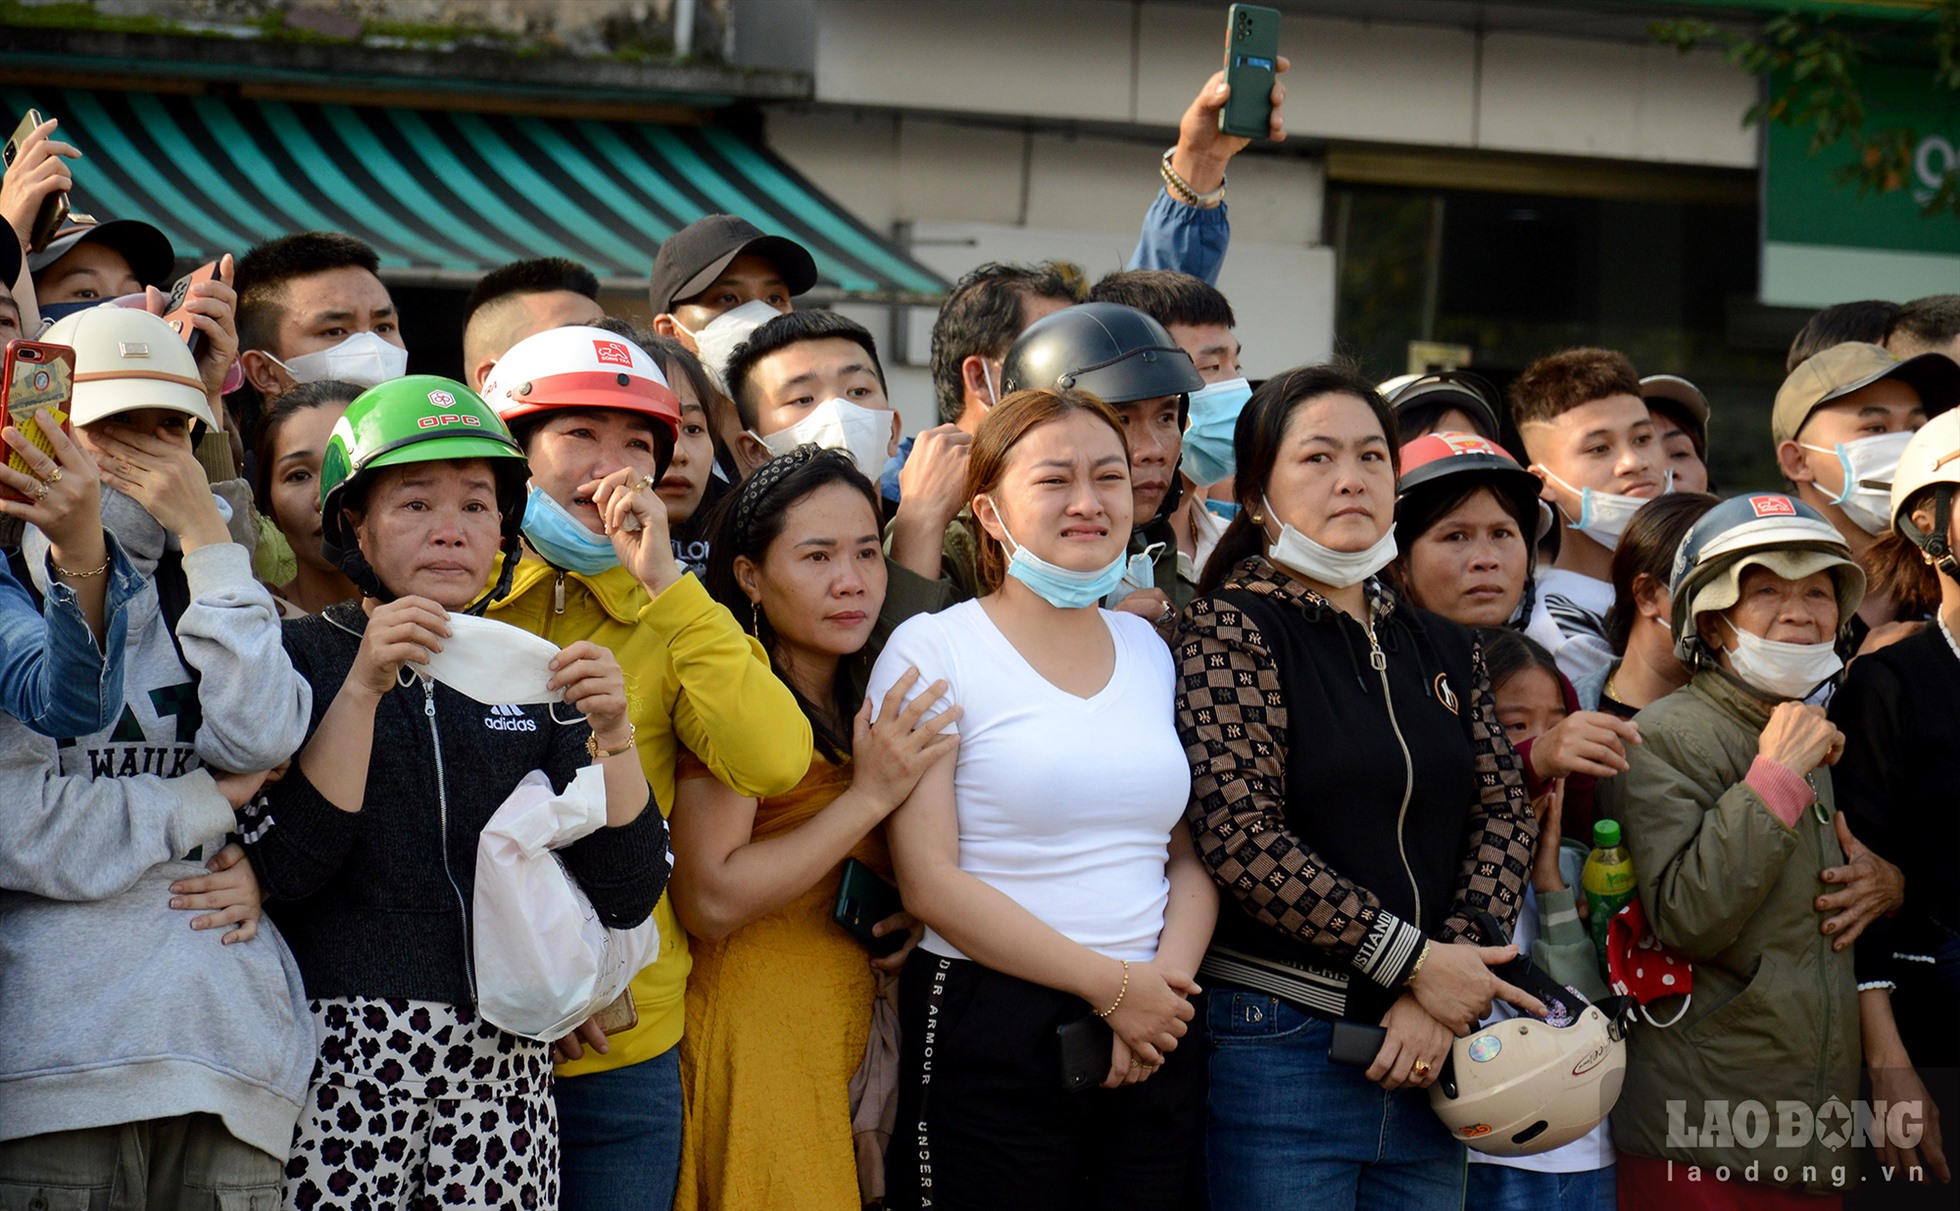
x=1503 y=1188
x=619 y=1136
x=1289 y=1130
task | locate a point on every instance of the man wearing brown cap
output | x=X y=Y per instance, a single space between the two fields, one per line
x=1840 y=422
x=720 y=278
x=1680 y=414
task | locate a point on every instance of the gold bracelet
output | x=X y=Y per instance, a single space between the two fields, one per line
x=1421 y=957
x=106 y=560
x=1119 y=992
x=593 y=750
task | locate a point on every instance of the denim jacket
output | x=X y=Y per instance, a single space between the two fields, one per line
x=53 y=677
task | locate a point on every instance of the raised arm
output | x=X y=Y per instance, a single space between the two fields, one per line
x=1191 y=234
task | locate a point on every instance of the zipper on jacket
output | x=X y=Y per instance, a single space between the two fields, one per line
x=1379 y=662
x=442 y=809
x=558 y=595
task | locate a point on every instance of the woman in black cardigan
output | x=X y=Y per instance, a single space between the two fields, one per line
x=1354 y=796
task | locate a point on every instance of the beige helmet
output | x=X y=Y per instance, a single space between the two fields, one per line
x=127 y=359
x=1520 y=1086
x=1931 y=460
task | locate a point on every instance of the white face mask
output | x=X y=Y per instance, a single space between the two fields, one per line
x=1316 y=561
x=363 y=359
x=1873 y=459
x=718 y=337
x=1603 y=516
x=494 y=662
x=1784 y=670
x=838 y=424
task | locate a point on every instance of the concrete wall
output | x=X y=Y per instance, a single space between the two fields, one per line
x=1027 y=129
x=1124 y=61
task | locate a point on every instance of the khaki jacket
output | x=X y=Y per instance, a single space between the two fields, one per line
x=1773 y=1021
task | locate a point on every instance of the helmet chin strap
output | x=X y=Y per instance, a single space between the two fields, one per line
x=1938 y=549
x=513 y=551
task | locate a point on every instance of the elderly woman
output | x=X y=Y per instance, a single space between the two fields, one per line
x=1727 y=810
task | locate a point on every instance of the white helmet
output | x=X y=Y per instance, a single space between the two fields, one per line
x=127 y=359
x=1931 y=459
x=1522 y=1086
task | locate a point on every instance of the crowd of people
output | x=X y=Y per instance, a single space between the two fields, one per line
x=1142 y=788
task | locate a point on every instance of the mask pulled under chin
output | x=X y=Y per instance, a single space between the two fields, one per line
x=1782 y=670
x=563 y=539
x=1063 y=588
x=838 y=424
x=1319 y=562
x=363 y=359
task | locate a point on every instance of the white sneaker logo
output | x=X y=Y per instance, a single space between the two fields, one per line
x=506 y=717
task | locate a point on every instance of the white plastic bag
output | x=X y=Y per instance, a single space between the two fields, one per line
x=544 y=960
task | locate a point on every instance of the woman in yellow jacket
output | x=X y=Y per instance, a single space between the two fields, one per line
x=592 y=408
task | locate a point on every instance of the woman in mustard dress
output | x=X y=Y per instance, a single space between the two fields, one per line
x=779 y=1002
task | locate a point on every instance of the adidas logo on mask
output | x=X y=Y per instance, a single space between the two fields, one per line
x=505 y=717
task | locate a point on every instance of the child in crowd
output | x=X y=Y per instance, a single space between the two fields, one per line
x=1532 y=697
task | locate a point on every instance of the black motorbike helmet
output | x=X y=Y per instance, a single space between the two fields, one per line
x=1115 y=353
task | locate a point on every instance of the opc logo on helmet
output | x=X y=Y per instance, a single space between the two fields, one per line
x=612 y=353
x=439 y=422
x=442 y=399
x=1772 y=506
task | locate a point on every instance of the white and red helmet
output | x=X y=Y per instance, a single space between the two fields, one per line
x=580 y=367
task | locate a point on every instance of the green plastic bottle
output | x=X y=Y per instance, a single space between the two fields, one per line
x=1607 y=879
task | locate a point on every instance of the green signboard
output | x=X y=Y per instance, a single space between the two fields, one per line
x=1826 y=243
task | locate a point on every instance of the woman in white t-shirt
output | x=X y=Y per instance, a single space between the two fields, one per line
x=1060 y=891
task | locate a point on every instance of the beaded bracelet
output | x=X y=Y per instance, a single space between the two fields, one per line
x=1181 y=189
x=1120 y=993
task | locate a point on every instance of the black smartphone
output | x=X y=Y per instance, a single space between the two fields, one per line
x=1251 y=64
x=54 y=208
x=1355 y=1044
x=863 y=900
x=1085 y=1052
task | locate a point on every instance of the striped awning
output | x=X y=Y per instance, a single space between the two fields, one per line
x=446 y=195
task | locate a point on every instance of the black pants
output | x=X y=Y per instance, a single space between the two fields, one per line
x=983 y=1122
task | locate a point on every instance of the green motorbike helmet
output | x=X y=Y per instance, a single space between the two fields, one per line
x=420 y=418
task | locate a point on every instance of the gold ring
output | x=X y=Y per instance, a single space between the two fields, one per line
x=54 y=476
x=646 y=481
x=1422 y=1067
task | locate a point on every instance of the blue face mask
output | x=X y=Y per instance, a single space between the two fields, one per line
x=1226 y=509
x=52 y=313
x=562 y=539
x=1063 y=588
x=1208 y=441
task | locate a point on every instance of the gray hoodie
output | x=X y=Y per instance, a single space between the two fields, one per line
x=112 y=1009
